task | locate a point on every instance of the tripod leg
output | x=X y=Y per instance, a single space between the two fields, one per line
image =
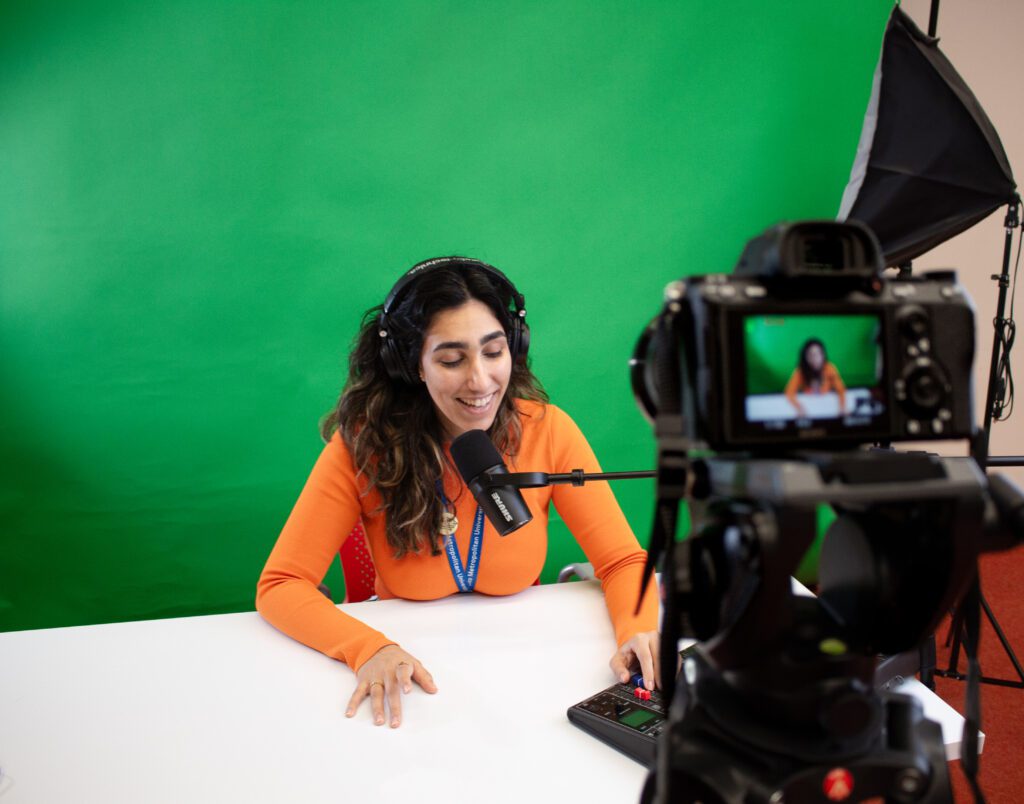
x=1002 y=638
x=949 y=632
x=927 y=657
x=956 y=630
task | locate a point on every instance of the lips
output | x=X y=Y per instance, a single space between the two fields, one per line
x=477 y=404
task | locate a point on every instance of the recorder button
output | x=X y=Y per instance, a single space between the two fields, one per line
x=937 y=426
x=913 y=427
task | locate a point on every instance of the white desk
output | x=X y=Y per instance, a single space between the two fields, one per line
x=777 y=407
x=226 y=709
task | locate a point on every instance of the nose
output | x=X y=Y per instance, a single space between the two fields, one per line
x=477 y=379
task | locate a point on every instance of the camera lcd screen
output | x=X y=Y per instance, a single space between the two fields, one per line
x=819 y=375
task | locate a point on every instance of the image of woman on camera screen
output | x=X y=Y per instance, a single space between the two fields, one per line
x=815 y=375
x=445 y=354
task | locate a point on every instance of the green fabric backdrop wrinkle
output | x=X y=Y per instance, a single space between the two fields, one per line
x=199 y=200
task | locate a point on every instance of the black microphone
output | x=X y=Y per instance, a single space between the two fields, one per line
x=480 y=465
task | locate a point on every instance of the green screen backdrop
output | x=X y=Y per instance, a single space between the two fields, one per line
x=198 y=200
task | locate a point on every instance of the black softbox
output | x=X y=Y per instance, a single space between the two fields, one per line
x=929 y=164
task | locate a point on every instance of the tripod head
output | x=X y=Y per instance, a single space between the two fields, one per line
x=779 y=692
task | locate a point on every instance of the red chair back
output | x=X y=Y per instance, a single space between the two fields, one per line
x=357 y=566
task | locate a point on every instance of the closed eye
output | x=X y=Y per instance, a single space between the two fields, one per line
x=490 y=355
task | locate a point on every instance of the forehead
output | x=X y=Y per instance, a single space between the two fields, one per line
x=467 y=322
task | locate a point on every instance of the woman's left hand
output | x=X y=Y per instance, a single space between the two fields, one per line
x=641 y=650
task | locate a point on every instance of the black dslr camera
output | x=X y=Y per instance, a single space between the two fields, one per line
x=805 y=345
x=797 y=370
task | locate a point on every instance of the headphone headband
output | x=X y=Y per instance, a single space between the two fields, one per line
x=446 y=262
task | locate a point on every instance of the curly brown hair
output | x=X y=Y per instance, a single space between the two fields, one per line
x=391 y=428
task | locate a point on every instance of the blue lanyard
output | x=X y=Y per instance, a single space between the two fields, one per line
x=465 y=575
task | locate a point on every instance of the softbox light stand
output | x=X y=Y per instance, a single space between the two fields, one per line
x=993 y=400
x=993 y=405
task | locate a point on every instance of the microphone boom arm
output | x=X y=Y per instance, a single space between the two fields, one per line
x=534 y=480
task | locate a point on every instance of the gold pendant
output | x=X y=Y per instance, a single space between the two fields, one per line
x=449 y=524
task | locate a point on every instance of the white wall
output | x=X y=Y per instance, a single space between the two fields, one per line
x=982 y=39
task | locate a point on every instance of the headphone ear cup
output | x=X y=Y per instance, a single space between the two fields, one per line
x=391 y=357
x=387 y=358
x=521 y=339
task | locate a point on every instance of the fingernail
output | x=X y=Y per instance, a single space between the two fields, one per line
x=348 y=713
x=394 y=724
x=408 y=688
x=379 y=720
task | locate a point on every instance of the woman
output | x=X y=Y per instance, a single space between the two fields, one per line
x=444 y=354
x=814 y=374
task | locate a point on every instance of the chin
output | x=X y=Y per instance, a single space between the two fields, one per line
x=476 y=425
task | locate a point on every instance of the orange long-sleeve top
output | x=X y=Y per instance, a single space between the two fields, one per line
x=336 y=496
x=830 y=382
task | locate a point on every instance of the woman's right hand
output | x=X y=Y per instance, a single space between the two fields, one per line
x=388 y=673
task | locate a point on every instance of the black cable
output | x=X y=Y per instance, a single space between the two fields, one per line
x=1006 y=329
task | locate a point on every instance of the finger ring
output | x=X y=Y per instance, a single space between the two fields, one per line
x=376 y=682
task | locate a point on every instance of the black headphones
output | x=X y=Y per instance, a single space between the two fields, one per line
x=397 y=365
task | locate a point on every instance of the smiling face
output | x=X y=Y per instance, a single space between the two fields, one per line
x=466 y=366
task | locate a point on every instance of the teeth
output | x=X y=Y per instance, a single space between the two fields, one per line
x=477 y=403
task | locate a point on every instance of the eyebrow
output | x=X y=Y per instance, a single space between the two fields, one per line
x=463 y=345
